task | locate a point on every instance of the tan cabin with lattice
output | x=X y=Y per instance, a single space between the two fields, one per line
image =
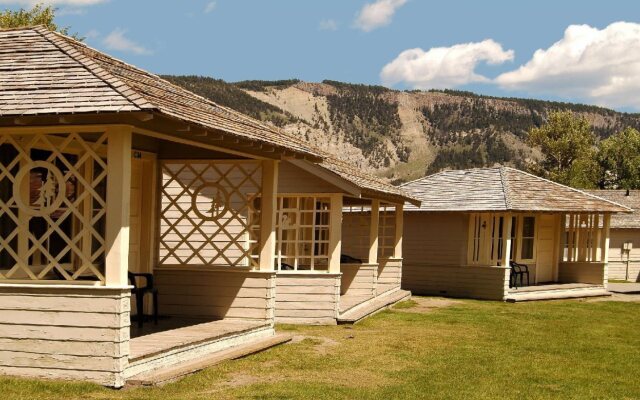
x=503 y=234
x=124 y=198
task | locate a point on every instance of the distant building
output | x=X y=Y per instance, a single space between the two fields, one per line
x=624 y=247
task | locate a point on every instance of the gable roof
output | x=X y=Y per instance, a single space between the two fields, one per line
x=47 y=73
x=501 y=189
x=632 y=200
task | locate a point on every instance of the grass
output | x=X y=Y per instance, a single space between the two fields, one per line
x=471 y=350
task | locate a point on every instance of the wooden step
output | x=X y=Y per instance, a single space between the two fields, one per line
x=176 y=371
x=373 y=306
x=557 y=294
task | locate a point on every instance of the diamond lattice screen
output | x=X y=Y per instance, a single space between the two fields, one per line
x=52 y=206
x=210 y=213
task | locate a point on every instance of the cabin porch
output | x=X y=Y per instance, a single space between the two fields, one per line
x=84 y=206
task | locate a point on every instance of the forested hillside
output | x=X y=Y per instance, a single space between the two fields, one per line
x=401 y=134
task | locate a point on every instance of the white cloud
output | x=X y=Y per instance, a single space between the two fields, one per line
x=210 y=7
x=75 y=3
x=92 y=34
x=601 y=66
x=377 y=14
x=444 y=67
x=328 y=25
x=117 y=40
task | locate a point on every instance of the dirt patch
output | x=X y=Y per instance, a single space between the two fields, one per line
x=321 y=345
x=427 y=304
x=239 y=379
x=633 y=298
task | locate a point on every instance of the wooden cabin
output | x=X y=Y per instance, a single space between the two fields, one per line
x=474 y=224
x=107 y=170
x=624 y=246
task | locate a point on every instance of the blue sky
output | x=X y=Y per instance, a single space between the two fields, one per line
x=483 y=46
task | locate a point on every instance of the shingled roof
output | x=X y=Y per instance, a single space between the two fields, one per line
x=501 y=189
x=47 y=73
x=631 y=200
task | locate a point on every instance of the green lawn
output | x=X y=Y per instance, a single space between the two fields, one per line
x=471 y=350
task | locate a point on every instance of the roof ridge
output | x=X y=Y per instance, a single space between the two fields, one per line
x=116 y=84
x=570 y=188
x=505 y=188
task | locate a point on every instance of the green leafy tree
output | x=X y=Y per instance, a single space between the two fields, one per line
x=38 y=15
x=567 y=143
x=619 y=158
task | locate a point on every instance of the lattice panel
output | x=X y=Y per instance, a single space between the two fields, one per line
x=52 y=206
x=210 y=213
x=386 y=231
x=302 y=227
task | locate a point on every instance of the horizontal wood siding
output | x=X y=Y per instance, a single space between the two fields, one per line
x=389 y=275
x=490 y=283
x=65 y=333
x=292 y=179
x=435 y=238
x=358 y=279
x=581 y=272
x=216 y=294
x=307 y=298
x=618 y=258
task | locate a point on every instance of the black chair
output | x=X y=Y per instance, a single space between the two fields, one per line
x=518 y=271
x=140 y=292
x=347 y=259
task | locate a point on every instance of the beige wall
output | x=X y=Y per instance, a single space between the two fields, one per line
x=389 y=275
x=292 y=179
x=216 y=294
x=358 y=279
x=65 y=333
x=307 y=298
x=490 y=283
x=434 y=238
x=618 y=258
x=581 y=272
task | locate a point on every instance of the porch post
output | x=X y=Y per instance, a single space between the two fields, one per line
x=335 y=233
x=118 y=193
x=373 y=232
x=269 y=205
x=506 y=240
x=605 y=249
x=397 y=248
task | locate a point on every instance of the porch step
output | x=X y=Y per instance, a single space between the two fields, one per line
x=558 y=294
x=373 y=306
x=173 y=372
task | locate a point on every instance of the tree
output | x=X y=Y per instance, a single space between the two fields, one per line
x=619 y=158
x=568 y=150
x=38 y=15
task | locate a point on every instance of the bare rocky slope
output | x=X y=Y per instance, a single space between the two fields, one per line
x=401 y=135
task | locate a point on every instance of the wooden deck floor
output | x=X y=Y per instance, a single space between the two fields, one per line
x=181 y=333
x=552 y=286
x=347 y=302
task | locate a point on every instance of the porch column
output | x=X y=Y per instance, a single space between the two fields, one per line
x=269 y=206
x=506 y=240
x=335 y=233
x=118 y=193
x=373 y=232
x=397 y=248
x=605 y=248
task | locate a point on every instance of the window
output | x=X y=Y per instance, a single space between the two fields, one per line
x=528 y=238
x=514 y=243
x=303 y=233
x=386 y=231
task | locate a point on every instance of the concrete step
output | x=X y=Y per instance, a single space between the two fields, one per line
x=173 y=372
x=373 y=306
x=557 y=294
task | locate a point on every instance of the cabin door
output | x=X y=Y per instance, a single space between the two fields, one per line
x=545 y=248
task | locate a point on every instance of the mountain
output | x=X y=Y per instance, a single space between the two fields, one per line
x=401 y=135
